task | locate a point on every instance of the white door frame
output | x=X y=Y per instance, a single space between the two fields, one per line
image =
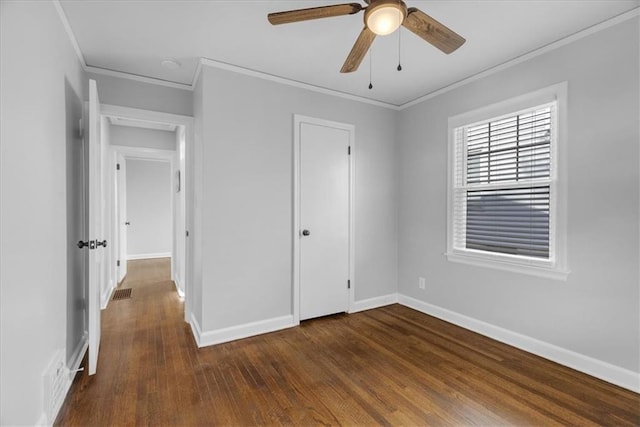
x=187 y=123
x=298 y=120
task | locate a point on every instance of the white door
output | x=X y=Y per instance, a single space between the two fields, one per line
x=96 y=231
x=77 y=253
x=122 y=215
x=324 y=220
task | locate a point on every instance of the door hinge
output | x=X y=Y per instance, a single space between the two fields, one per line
x=186 y=233
x=118 y=263
x=348 y=284
x=117 y=166
x=349 y=150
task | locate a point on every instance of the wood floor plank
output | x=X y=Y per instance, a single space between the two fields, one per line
x=553 y=400
x=388 y=366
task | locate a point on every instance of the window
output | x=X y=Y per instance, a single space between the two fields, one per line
x=506 y=186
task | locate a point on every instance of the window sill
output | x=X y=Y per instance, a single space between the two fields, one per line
x=532 y=270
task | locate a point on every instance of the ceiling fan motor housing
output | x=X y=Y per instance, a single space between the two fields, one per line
x=385 y=16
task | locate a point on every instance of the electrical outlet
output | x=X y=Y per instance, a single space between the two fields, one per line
x=421 y=282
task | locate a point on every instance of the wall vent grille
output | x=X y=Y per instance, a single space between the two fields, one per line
x=56 y=382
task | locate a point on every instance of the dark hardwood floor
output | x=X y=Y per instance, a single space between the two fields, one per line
x=388 y=366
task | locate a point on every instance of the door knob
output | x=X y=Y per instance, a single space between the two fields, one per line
x=103 y=243
x=127 y=223
x=305 y=232
x=82 y=244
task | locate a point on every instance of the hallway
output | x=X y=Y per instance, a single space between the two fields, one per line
x=144 y=369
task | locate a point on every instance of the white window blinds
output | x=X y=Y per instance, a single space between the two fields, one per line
x=503 y=184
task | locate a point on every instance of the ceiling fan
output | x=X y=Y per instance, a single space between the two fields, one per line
x=381 y=17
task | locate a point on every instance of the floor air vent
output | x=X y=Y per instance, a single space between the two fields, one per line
x=121 y=294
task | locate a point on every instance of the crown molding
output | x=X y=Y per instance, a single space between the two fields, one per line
x=289 y=82
x=282 y=80
x=137 y=77
x=104 y=71
x=196 y=74
x=67 y=28
x=529 y=55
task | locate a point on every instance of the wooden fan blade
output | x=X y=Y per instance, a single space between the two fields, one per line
x=432 y=31
x=313 y=13
x=358 y=51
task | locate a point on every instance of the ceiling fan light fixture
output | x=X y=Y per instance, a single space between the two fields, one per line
x=383 y=17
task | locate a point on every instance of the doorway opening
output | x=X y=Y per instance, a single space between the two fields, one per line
x=147 y=189
x=107 y=255
x=145 y=214
x=158 y=144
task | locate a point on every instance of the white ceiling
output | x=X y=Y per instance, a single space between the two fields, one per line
x=135 y=36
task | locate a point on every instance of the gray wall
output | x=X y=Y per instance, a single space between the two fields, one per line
x=149 y=195
x=142 y=138
x=596 y=312
x=146 y=96
x=246 y=141
x=39 y=73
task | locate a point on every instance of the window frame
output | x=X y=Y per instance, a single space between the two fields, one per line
x=556 y=266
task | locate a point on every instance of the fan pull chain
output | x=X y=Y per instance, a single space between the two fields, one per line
x=370 y=68
x=399 y=38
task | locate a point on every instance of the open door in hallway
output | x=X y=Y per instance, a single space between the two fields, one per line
x=95 y=241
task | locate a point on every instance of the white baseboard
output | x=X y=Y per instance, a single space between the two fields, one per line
x=149 y=256
x=233 y=333
x=195 y=329
x=106 y=296
x=121 y=280
x=597 y=368
x=368 y=304
x=594 y=367
x=179 y=287
x=42 y=421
